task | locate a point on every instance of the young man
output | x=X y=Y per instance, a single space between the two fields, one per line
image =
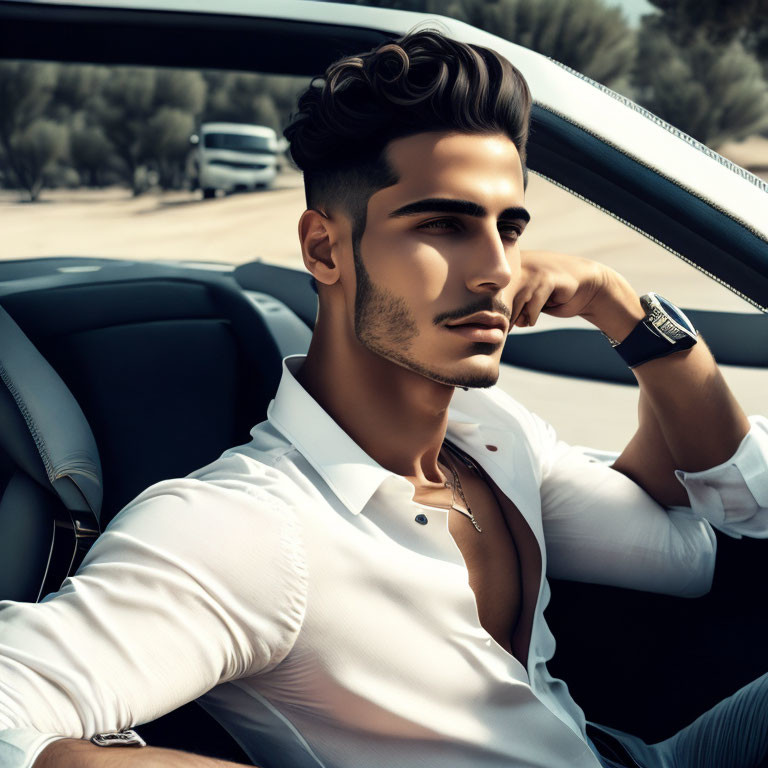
x=372 y=591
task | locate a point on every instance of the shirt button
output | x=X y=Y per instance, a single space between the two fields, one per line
x=491 y=447
x=421 y=519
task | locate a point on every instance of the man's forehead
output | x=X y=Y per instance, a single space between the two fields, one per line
x=483 y=168
x=438 y=148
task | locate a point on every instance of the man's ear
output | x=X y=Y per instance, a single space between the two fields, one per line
x=317 y=235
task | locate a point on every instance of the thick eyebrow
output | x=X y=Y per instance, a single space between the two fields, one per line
x=450 y=205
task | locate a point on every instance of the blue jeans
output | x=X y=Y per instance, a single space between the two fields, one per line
x=733 y=734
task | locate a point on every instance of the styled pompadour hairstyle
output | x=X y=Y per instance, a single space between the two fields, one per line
x=423 y=81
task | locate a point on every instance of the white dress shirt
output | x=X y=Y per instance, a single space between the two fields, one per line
x=288 y=586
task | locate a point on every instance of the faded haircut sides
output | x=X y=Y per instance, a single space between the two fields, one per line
x=423 y=81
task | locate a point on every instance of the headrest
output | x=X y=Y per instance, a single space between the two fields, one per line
x=42 y=427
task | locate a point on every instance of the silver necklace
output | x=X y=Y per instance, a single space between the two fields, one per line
x=467 y=512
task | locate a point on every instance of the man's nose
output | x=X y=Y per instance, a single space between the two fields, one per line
x=493 y=263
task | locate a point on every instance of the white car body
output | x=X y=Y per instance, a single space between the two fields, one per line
x=235 y=156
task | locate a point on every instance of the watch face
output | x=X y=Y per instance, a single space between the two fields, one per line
x=677 y=315
x=666 y=320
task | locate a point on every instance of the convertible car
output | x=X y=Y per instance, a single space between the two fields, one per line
x=117 y=373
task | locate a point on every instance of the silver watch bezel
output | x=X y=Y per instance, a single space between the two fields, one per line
x=659 y=321
x=125 y=738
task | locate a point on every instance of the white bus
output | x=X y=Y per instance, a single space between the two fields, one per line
x=234 y=157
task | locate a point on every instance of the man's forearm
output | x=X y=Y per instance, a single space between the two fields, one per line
x=79 y=753
x=698 y=414
x=689 y=418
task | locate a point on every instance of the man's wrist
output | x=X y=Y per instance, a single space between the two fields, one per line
x=81 y=753
x=617 y=309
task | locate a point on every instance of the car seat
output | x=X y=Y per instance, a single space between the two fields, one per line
x=50 y=474
x=167 y=373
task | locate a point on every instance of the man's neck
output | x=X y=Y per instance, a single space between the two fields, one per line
x=396 y=416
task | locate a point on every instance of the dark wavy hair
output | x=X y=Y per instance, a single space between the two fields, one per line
x=423 y=81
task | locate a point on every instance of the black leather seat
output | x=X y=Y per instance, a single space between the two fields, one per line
x=50 y=473
x=168 y=374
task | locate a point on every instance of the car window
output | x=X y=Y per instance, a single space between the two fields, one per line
x=238 y=142
x=564 y=222
x=605 y=413
x=146 y=163
x=120 y=164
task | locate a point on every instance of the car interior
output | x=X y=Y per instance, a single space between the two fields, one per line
x=118 y=374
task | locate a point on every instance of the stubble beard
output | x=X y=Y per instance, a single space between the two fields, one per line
x=386 y=326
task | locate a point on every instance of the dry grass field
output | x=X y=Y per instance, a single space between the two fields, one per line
x=262 y=225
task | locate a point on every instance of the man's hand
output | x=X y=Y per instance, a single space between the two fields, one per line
x=566 y=286
x=689 y=418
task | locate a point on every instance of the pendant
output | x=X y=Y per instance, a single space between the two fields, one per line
x=468 y=514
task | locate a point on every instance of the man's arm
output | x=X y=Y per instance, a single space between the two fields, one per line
x=166 y=606
x=79 y=753
x=688 y=417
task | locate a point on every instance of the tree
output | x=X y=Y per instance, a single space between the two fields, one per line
x=129 y=113
x=35 y=150
x=239 y=97
x=721 y=22
x=77 y=85
x=735 y=30
x=583 y=34
x=91 y=153
x=167 y=144
x=26 y=89
x=122 y=110
x=713 y=91
x=285 y=91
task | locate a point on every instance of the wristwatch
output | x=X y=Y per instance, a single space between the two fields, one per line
x=125 y=738
x=664 y=330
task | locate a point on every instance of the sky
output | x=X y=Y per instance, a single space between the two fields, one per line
x=633 y=9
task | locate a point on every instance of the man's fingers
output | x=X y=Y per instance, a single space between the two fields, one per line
x=518 y=306
x=528 y=304
x=538 y=300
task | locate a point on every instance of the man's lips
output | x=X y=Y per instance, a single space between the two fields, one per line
x=475 y=332
x=482 y=326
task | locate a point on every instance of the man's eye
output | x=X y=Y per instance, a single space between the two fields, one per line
x=510 y=231
x=438 y=224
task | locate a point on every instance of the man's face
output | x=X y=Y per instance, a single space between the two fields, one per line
x=438 y=247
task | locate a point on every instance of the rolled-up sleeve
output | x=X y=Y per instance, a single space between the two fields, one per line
x=733 y=496
x=192 y=585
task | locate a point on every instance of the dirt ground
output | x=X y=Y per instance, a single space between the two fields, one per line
x=262 y=225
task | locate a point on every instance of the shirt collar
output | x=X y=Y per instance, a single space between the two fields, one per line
x=349 y=471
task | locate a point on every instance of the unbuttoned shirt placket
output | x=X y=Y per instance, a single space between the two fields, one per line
x=510 y=470
x=425 y=558
x=393 y=510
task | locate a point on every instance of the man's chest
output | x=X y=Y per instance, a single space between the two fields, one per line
x=502 y=559
x=404 y=591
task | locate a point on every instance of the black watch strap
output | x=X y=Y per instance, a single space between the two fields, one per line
x=644 y=344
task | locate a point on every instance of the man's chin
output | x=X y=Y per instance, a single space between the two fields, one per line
x=477 y=381
x=478 y=372
x=464 y=374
